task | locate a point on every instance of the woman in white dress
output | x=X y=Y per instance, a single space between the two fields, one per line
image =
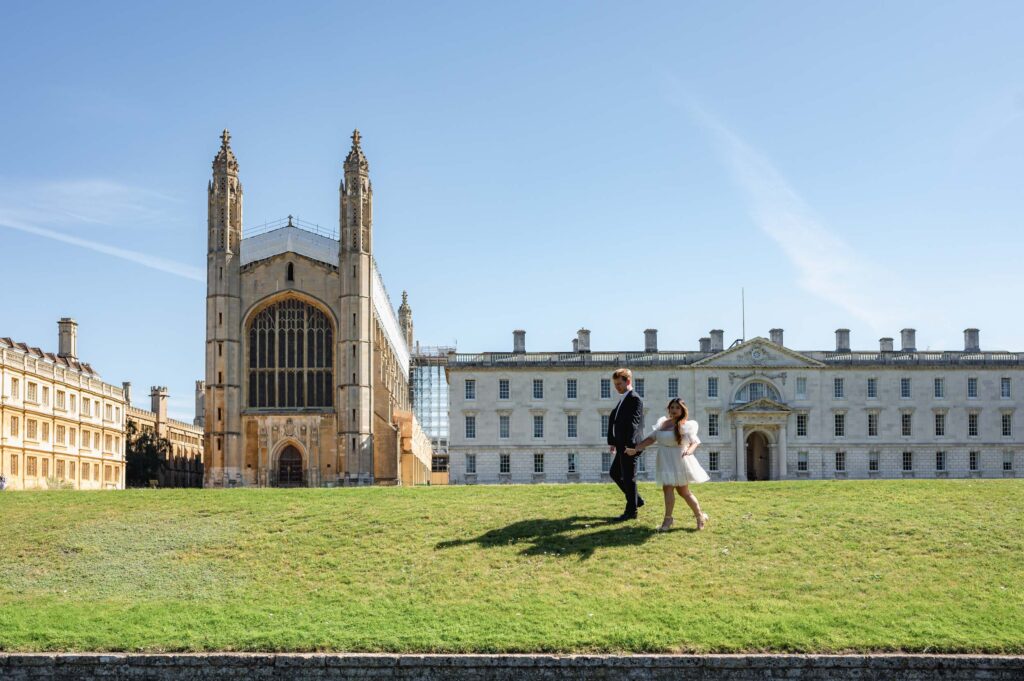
x=676 y=466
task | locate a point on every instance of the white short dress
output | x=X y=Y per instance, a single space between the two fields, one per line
x=672 y=468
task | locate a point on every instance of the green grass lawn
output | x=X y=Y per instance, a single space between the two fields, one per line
x=933 y=566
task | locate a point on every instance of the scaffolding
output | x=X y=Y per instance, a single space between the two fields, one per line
x=428 y=385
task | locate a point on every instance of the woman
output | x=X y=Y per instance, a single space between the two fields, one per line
x=676 y=467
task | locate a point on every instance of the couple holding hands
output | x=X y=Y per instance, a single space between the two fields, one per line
x=676 y=438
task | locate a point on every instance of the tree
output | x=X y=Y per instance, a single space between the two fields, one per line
x=145 y=453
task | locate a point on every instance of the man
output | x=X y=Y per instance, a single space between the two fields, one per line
x=625 y=430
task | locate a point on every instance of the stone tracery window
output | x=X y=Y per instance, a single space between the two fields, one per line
x=290 y=357
x=756 y=390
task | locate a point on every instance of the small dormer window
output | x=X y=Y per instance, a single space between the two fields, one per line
x=291 y=272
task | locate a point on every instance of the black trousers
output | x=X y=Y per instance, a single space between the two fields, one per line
x=623 y=472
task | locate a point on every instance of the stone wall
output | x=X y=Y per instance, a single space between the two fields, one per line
x=196 y=667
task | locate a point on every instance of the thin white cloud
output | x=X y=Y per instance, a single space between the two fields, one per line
x=828 y=267
x=150 y=261
x=91 y=201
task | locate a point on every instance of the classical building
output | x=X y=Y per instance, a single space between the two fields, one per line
x=60 y=425
x=183 y=466
x=307 y=364
x=766 y=411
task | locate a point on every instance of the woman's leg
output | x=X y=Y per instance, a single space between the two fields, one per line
x=670 y=500
x=691 y=501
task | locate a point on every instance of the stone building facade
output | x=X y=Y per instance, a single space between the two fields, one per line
x=60 y=424
x=307 y=363
x=766 y=411
x=183 y=466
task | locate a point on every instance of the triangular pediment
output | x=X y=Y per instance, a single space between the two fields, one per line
x=761 y=405
x=759 y=352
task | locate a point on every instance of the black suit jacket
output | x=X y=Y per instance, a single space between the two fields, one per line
x=627 y=422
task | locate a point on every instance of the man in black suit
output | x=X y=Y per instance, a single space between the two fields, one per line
x=625 y=430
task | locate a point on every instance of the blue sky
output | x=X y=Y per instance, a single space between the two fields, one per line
x=539 y=165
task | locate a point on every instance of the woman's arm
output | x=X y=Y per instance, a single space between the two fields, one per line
x=691 y=448
x=641 y=446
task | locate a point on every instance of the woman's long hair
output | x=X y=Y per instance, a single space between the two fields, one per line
x=679 y=422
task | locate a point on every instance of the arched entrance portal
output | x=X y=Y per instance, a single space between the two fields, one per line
x=289 y=468
x=757 y=457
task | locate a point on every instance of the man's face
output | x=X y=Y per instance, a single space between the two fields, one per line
x=621 y=385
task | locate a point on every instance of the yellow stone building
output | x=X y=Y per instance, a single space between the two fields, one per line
x=184 y=465
x=60 y=425
x=307 y=363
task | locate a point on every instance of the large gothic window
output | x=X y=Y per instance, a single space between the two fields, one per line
x=290 y=357
x=756 y=390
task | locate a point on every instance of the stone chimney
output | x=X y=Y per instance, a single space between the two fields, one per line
x=158 y=402
x=67 y=338
x=842 y=340
x=705 y=344
x=972 y=340
x=650 y=340
x=200 y=418
x=775 y=335
x=885 y=344
x=575 y=344
x=519 y=341
x=717 y=340
x=909 y=337
x=126 y=386
x=583 y=340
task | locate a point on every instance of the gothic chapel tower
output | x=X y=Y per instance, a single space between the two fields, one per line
x=355 y=335
x=223 y=446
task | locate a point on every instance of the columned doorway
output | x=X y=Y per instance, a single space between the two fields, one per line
x=758 y=457
x=289 y=468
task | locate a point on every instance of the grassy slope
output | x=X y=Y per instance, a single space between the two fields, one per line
x=795 y=566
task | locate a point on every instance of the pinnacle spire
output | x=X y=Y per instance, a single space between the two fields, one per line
x=356 y=159
x=225 y=160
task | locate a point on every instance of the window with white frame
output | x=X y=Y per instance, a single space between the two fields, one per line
x=504 y=390
x=712 y=386
x=906 y=424
x=940 y=388
x=45 y=432
x=109 y=412
x=470 y=427
x=71 y=437
x=940 y=424
x=503 y=426
x=673 y=388
x=873 y=462
x=872 y=388
x=108 y=443
x=840 y=462
x=908 y=461
x=840 y=425
x=505 y=463
x=538 y=389
x=972 y=388
x=46 y=394
x=606 y=462
x=713 y=462
x=801 y=461
x=471 y=464
x=571 y=426
x=972 y=424
x=61 y=399
x=15 y=389
x=1004 y=387
x=972 y=460
x=538 y=425
x=838 y=388
x=96 y=441
x=639 y=387
x=571 y=464
x=1007 y=424
x=872 y=424
x=14 y=426
x=538 y=462
x=713 y=429
x=86 y=407
x=756 y=390
x=32 y=395
x=470 y=388
x=606 y=388
x=801 y=424
x=940 y=461
x=1007 y=461
x=570 y=388
x=604 y=425
x=905 y=388
x=801 y=388
x=73 y=400
x=59 y=434
x=32 y=429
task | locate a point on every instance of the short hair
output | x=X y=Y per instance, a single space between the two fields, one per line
x=623 y=373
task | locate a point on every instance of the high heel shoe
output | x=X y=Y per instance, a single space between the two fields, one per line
x=702 y=521
x=666 y=525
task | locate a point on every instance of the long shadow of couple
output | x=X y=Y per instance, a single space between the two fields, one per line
x=559 y=537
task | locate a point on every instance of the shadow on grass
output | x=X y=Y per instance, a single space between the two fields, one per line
x=560 y=537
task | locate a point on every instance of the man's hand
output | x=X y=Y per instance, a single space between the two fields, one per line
x=611 y=448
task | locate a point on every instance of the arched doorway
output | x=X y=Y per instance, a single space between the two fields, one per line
x=757 y=456
x=289 y=468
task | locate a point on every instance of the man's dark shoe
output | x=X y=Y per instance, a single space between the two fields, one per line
x=640 y=503
x=625 y=516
